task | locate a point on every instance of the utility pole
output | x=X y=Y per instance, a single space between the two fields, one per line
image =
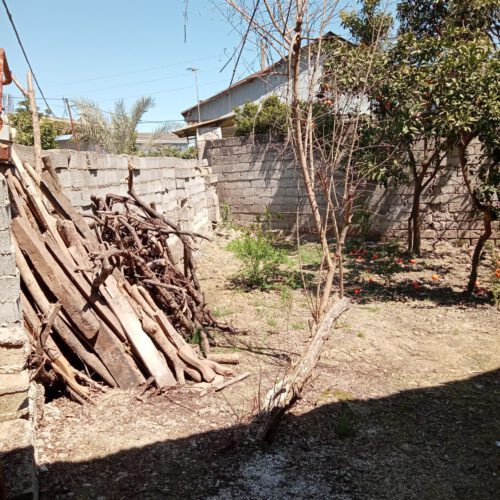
x=194 y=70
x=36 y=125
x=262 y=45
x=73 y=131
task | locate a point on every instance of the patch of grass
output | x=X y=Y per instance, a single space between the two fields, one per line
x=220 y=312
x=286 y=297
x=309 y=254
x=343 y=395
x=360 y=335
x=271 y=322
x=298 y=326
x=258 y=303
x=342 y=325
x=344 y=424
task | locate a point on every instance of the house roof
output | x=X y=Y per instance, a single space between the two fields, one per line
x=253 y=76
x=189 y=130
x=165 y=138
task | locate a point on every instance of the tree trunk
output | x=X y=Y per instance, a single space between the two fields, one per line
x=414 y=236
x=286 y=392
x=487 y=218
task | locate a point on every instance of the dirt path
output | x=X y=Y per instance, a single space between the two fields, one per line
x=406 y=403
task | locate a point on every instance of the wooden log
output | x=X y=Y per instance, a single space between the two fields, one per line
x=36 y=125
x=106 y=345
x=84 y=282
x=60 y=327
x=185 y=352
x=227 y=383
x=57 y=360
x=56 y=280
x=225 y=358
x=143 y=345
x=52 y=189
x=152 y=328
x=285 y=392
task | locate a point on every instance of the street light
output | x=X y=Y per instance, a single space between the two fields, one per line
x=194 y=70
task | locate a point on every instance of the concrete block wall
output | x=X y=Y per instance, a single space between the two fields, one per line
x=255 y=174
x=14 y=349
x=17 y=462
x=184 y=190
x=259 y=171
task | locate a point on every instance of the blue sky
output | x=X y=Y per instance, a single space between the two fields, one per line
x=110 y=49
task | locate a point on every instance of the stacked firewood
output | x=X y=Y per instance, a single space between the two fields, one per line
x=105 y=302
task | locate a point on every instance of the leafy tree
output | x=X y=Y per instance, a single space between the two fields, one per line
x=430 y=17
x=21 y=121
x=270 y=116
x=369 y=25
x=115 y=132
x=453 y=45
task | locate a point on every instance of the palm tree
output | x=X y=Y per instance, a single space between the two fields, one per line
x=115 y=133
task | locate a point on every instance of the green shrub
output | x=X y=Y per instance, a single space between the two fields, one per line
x=260 y=258
x=22 y=122
x=270 y=116
x=189 y=154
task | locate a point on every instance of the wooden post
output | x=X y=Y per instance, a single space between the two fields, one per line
x=36 y=125
x=73 y=131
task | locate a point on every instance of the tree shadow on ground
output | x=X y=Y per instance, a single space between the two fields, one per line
x=437 y=442
x=375 y=272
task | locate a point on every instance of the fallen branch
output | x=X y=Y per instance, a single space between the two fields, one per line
x=287 y=391
x=223 y=385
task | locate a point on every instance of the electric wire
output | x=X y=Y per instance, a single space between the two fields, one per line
x=9 y=15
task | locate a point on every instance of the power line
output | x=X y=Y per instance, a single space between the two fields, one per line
x=181 y=63
x=244 y=40
x=9 y=15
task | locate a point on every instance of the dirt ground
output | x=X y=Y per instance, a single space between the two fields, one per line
x=405 y=402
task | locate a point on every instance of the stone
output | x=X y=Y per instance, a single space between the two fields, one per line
x=14 y=401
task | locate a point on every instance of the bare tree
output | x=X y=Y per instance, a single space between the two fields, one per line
x=328 y=120
x=329 y=115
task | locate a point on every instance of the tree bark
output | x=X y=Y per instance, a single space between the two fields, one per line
x=285 y=392
x=487 y=219
x=414 y=223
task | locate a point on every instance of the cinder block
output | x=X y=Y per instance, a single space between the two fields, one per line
x=14 y=348
x=7 y=264
x=5 y=216
x=13 y=395
x=9 y=288
x=5 y=242
x=12 y=336
x=10 y=312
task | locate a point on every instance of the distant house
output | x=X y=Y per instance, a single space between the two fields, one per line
x=214 y=117
x=144 y=142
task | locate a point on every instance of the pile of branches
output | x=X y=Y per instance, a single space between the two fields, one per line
x=104 y=304
x=141 y=242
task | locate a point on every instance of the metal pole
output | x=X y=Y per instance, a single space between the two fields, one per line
x=194 y=70
x=197 y=95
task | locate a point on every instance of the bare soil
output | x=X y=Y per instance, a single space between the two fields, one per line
x=405 y=402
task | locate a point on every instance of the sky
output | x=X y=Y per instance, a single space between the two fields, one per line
x=110 y=49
